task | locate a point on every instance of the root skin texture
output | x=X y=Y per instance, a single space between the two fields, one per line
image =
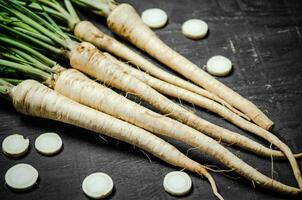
x=75 y=85
x=34 y=99
x=125 y=21
x=89 y=60
x=190 y=97
x=90 y=33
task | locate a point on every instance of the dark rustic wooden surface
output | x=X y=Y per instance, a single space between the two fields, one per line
x=262 y=38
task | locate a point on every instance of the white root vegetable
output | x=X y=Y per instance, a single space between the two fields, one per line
x=177 y=183
x=48 y=143
x=34 y=99
x=88 y=59
x=90 y=33
x=97 y=185
x=125 y=21
x=15 y=145
x=21 y=177
x=195 y=29
x=154 y=17
x=78 y=87
x=224 y=136
x=219 y=66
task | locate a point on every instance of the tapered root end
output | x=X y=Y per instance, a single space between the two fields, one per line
x=298 y=155
x=203 y=172
x=270 y=127
x=264 y=122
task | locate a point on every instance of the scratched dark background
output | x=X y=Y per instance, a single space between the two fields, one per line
x=262 y=38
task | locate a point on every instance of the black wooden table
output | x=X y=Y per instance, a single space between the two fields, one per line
x=264 y=41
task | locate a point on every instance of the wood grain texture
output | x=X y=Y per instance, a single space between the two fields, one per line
x=264 y=41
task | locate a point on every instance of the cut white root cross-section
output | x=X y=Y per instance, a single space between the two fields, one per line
x=177 y=183
x=97 y=185
x=195 y=29
x=219 y=66
x=154 y=17
x=48 y=143
x=15 y=145
x=21 y=177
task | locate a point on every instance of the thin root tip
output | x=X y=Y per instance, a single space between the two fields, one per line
x=212 y=183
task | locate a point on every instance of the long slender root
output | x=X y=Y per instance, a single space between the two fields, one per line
x=34 y=99
x=176 y=130
x=125 y=21
x=90 y=33
x=225 y=136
